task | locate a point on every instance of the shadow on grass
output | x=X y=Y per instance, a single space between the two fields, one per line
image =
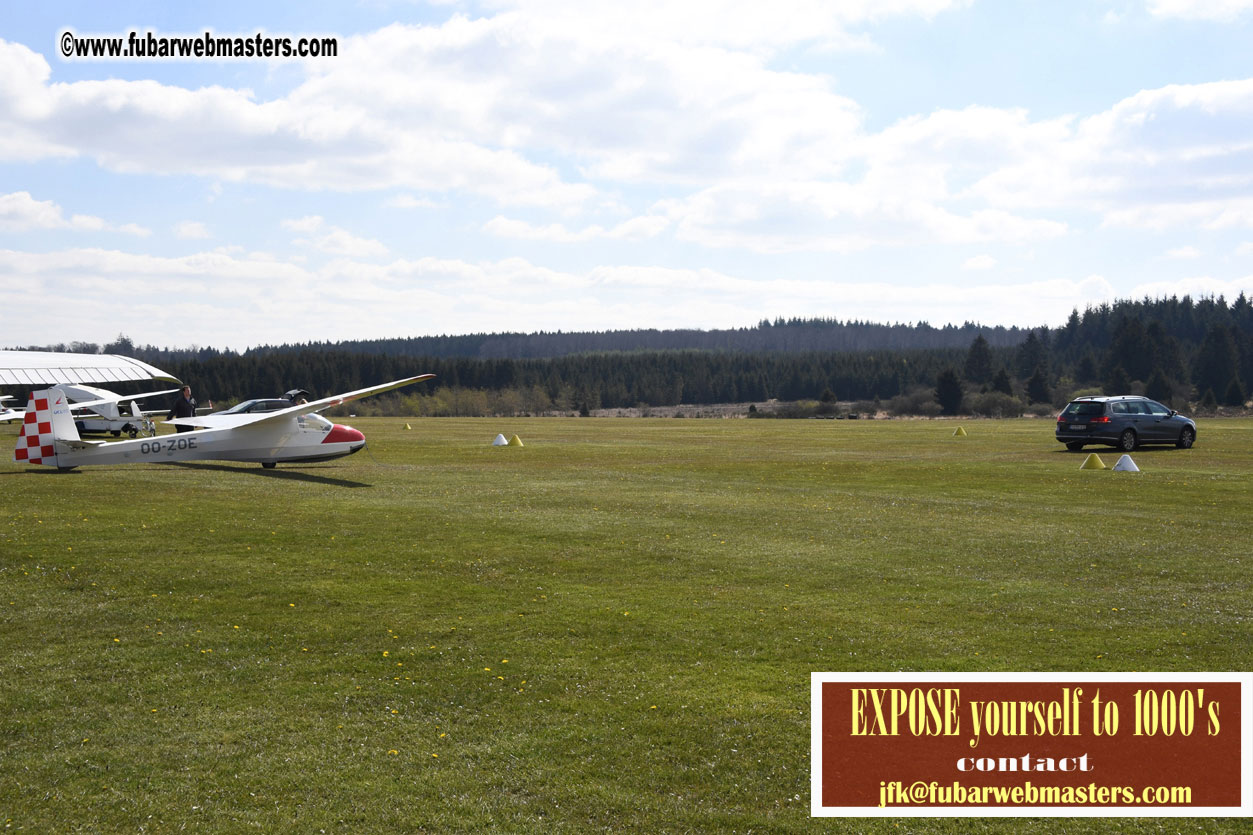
x=284 y=475
x=1140 y=450
x=256 y=470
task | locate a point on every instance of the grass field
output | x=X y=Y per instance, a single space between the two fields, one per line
x=609 y=629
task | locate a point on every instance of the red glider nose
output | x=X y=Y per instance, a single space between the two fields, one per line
x=342 y=435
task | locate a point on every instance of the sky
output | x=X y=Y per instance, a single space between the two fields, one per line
x=540 y=165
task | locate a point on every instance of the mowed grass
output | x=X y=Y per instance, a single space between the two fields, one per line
x=609 y=629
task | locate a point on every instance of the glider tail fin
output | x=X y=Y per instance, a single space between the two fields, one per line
x=47 y=420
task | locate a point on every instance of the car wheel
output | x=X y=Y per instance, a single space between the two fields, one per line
x=1186 y=438
x=1127 y=440
x=1074 y=447
x=269 y=465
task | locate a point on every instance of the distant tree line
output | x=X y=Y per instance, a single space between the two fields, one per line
x=1172 y=350
x=781 y=335
x=1175 y=350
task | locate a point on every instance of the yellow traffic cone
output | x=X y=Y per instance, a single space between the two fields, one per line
x=1093 y=462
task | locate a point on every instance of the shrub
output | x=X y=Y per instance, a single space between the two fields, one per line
x=919 y=401
x=997 y=405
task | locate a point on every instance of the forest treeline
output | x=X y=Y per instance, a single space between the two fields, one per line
x=1176 y=349
x=780 y=335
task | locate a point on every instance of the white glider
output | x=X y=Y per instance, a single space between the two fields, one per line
x=49 y=436
x=7 y=414
x=33 y=368
x=30 y=369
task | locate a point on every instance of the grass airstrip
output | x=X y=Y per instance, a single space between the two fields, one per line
x=609 y=629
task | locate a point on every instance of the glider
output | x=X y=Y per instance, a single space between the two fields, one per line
x=32 y=368
x=50 y=368
x=298 y=433
x=7 y=414
x=101 y=410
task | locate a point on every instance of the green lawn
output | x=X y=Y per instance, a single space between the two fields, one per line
x=611 y=628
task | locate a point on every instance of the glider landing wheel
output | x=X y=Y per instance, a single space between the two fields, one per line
x=269 y=465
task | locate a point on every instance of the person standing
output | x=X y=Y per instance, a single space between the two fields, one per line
x=184 y=407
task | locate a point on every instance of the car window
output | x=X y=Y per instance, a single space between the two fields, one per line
x=1156 y=408
x=1085 y=408
x=240 y=408
x=1119 y=408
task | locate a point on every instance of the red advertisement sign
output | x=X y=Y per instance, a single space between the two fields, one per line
x=1142 y=744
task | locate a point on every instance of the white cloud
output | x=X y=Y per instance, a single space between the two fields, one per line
x=408 y=201
x=738 y=24
x=1195 y=287
x=1177 y=155
x=1222 y=11
x=838 y=217
x=578 y=111
x=332 y=239
x=979 y=262
x=191 y=230
x=602 y=85
x=19 y=212
x=1245 y=248
x=229 y=300
x=635 y=229
x=321 y=136
x=1183 y=252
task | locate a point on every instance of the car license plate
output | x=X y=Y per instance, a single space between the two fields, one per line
x=1078 y=426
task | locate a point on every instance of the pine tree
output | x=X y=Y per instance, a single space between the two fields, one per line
x=1116 y=382
x=1038 y=387
x=948 y=392
x=1234 y=395
x=979 y=361
x=1216 y=362
x=1033 y=353
x=1085 y=369
x=1130 y=348
x=1002 y=383
x=1159 y=388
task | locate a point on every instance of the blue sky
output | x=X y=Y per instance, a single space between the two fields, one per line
x=547 y=165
